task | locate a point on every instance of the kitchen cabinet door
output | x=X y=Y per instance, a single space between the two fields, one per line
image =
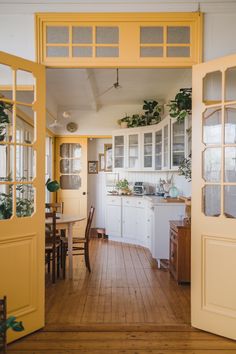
x=133 y=151
x=113 y=220
x=119 y=151
x=129 y=222
x=178 y=143
x=141 y=226
x=147 y=151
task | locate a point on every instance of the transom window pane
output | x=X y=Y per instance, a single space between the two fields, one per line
x=107 y=35
x=178 y=34
x=82 y=52
x=107 y=52
x=178 y=52
x=152 y=35
x=57 y=51
x=151 y=52
x=82 y=35
x=57 y=34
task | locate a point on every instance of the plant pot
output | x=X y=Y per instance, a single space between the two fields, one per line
x=124 y=125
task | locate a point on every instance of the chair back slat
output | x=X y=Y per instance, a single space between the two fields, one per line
x=58 y=207
x=89 y=223
x=53 y=230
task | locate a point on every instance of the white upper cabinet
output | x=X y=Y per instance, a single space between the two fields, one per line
x=159 y=147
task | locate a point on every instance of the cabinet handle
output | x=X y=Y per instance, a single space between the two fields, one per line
x=148 y=236
x=148 y=220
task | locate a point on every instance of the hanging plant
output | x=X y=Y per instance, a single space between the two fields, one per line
x=181 y=106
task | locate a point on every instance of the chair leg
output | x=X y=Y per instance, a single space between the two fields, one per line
x=49 y=262
x=64 y=260
x=58 y=262
x=54 y=267
x=86 y=257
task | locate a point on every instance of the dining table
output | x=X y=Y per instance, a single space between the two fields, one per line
x=66 y=222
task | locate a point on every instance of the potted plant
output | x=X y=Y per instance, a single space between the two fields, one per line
x=4 y=118
x=123 y=187
x=181 y=106
x=123 y=122
x=152 y=112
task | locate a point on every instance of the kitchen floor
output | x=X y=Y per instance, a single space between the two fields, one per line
x=124 y=287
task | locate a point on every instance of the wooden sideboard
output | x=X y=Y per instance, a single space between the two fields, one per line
x=180 y=251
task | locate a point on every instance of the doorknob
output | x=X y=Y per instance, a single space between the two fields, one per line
x=84 y=193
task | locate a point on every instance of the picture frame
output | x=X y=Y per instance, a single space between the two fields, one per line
x=108 y=157
x=92 y=167
x=101 y=162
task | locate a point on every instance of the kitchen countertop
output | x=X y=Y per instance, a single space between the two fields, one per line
x=154 y=199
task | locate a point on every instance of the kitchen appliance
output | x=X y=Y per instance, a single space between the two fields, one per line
x=142 y=188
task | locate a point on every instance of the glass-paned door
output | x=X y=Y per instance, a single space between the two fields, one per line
x=22 y=190
x=119 y=151
x=148 y=150
x=133 y=151
x=214 y=197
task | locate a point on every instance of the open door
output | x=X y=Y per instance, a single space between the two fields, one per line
x=22 y=190
x=213 y=297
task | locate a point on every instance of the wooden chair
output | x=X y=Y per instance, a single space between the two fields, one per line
x=57 y=207
x=80 y=245
x=52 y=247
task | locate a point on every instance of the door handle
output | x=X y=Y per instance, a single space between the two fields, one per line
x=84 y=193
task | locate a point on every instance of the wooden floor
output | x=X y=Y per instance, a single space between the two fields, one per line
x=124 y=286
x=125 y=306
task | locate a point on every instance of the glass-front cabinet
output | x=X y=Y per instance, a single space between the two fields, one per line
x=178 y=143
x=147 y=150
x=119 y=151
x=133 y=151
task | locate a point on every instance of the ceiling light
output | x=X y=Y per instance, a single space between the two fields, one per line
x=66 y=114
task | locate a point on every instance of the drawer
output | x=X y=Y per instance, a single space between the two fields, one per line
x=129 y=201
x=113 y=200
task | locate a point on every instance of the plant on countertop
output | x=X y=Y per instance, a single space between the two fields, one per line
x=5 y=108
x=123 y=186
x=185 y=168
x=152 y=115
x=181 y=106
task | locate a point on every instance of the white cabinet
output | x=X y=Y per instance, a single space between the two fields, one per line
x=178 y=143
x=119 y=153
x=129 y=222
x=147 y=153
x=113 y=217
x=133 y=154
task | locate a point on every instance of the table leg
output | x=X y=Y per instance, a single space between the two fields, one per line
x=70 y=246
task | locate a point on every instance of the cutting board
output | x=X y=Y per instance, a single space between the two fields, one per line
x=173 y=200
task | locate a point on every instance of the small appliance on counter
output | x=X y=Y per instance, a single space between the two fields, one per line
x=143 y=188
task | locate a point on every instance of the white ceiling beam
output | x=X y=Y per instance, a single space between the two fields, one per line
x=92 y=89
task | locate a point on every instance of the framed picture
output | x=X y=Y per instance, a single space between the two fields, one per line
x=108 y=157
x=92 y=167
x=101 y=162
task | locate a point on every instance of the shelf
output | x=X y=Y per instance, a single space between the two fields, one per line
x=119 y=145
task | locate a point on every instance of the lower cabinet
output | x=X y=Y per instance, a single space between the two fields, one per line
x=180 y=251
x=113 y=217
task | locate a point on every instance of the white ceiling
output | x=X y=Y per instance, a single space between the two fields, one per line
x=85 y=89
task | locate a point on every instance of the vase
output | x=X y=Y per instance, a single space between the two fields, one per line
x=123 y=125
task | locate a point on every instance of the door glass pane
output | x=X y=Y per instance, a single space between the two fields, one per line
x=70 y=166
x=6 y=162
x=6 y=81
x=119 y=140
x=24 y=131
x=107 y=35
x=24 y=200
x=6 y=121
x=158 y=150
x=70 y=182
x=24 y=78
x=212 y=164
x=133 y=151
x=230 y=84
x=230 y=125
x=212 y=126
x=211 y=200
x=230 y=164
x=212 y=88
x=25 y=163
x=230 y=201
x=70 y=150
x=153 y=35
x=82 y=35
x=6 y=202
x=57 y=34
x=178 y=34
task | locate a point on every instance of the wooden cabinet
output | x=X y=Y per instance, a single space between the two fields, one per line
x=180 y=251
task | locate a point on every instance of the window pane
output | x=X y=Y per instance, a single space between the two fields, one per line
x=119 y=140
x=107 y=52
x=211 y=200
x=151 y=52
x=6 y=76
x=230 y=164
x=230 y=125
x=107 y=35
x=6 y=120
x=25 y=163
x=57 y=34
x=212 y=164
x=178 y=52
x=6 y=192
x=212 y=126
x=24 y=78
x=82 y=35
x=24 y=131
x=230 y=201
x=212 y=87
x=70 y=182
x=152 y=35
x=6 y=162
x=57 y=51
x=178 y=34
x=70 y=166
x=82 y=52
x=70 y=150
x=230 y=84
x=24 y=200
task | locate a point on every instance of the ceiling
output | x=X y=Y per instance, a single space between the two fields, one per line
x=89 y=89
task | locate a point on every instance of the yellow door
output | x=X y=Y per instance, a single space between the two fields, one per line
x=213 y=297
x=22 y=189
x=71 y=172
